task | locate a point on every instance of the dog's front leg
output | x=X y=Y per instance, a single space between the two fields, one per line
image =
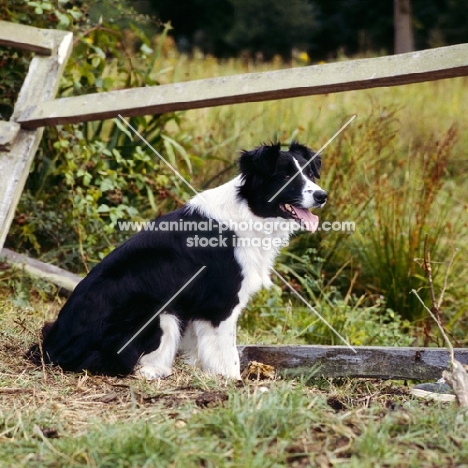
x=158 y=363
x=216 y=347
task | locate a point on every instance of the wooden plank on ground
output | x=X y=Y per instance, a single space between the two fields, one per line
x=61 y=278
x=28 y=38
x=41 y=83
x=414 y=67
x=8 y=133
x=368 y=361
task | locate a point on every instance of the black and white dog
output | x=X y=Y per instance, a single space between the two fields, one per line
x=234 y=231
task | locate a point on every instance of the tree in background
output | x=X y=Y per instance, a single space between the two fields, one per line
x=323 y=28
x=269 y=27
x=352 y=27
x=404 y=40
x=197 y=23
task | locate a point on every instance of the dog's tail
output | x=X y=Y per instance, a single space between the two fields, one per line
x=34 y=353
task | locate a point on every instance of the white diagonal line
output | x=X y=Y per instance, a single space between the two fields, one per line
x=315 y=155
x=160 y=157
x=161 y=309
x=314 y=311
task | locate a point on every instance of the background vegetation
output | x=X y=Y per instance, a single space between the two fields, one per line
x=398 y=172
x=322 y=28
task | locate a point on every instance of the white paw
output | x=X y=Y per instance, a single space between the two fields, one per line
x=190 y=359
x=229 y=372
x=155 y=372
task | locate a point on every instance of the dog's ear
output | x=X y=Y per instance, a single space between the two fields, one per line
x=316 y=165
x=261 y=160
x=308 y=154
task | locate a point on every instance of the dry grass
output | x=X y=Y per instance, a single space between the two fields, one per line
x=74 y=400
x=49 y=418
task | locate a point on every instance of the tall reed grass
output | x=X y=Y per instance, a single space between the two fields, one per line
x=397 y=172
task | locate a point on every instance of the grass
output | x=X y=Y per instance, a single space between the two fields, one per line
x=49 y=418
x=398 y=172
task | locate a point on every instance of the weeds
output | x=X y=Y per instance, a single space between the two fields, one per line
x=69 y=422
x=277 y=317
x=49 y=418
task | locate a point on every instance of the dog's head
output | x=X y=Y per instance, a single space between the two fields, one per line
x=282 y=184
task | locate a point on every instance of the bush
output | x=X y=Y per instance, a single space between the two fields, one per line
x=86 y=177
x=396 y=199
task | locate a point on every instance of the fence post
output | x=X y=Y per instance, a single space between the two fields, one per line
x=40 y=85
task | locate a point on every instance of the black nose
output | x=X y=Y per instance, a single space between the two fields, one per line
x=320 y=196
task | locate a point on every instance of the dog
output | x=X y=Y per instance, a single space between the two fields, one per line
x=142 y=303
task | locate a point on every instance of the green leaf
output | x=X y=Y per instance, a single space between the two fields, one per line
x=106 y=185
x=87 y=179
x=123 y=127
x=64 y=20
x=172 y=144
x=151 y=199
x=96 y=62
x=103 y=208
x=170 y=155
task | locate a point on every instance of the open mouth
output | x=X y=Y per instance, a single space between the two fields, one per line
x=302 y=215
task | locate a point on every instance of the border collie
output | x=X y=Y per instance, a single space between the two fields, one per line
x=110 y=325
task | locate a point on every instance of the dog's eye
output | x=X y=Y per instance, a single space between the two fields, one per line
x=287 y=177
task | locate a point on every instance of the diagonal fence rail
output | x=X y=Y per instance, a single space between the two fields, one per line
x=394 y=70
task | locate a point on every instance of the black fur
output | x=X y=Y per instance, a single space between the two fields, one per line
x=121 y=294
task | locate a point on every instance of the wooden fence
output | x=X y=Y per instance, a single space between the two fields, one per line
x=36 y=107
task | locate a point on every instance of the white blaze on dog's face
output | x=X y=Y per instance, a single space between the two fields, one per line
x=312 y=195
x=282 y=183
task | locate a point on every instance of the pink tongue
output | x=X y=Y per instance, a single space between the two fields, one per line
x=310 y=220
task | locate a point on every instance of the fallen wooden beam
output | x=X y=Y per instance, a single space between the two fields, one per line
x=368 y=361
x=61 y=278
x=326 y=361
x=414 y=67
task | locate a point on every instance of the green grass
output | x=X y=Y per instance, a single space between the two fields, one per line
x=399 y=172
x=53 y=419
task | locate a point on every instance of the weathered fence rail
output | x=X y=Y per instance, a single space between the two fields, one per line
x=415 y=67
x=41 y=41
x=64 y=279
x=36 y=107
x=41 y=84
